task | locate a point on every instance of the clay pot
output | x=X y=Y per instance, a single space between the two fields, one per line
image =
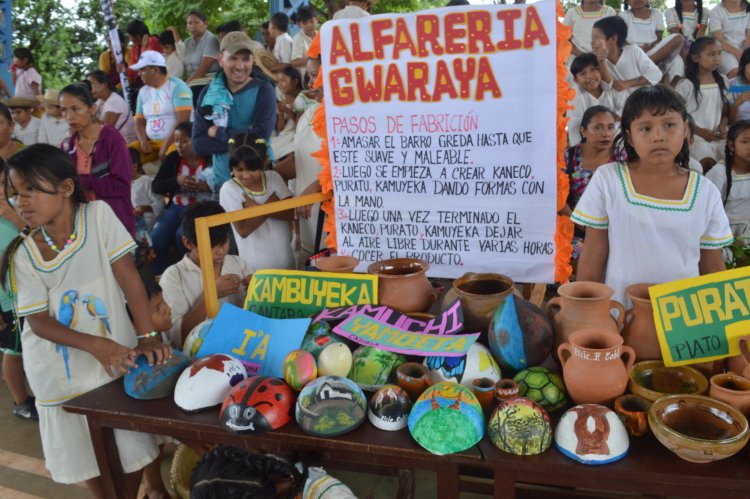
x=337 y=264
x=593 y=369
x=505 y=389
x=484 y=391
x=414 y=378
x=651 y=379
x=740 y=364
x=480 y=295
x=633 y=412
x=639 y=332
x=403 y=284
x=732 y=389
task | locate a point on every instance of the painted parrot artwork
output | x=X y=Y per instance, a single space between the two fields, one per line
x=97 y=310
x=67 y=316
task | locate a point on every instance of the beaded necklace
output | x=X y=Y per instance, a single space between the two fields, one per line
x=249 y=192
x=70 y=240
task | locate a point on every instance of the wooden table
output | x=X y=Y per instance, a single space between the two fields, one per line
x=108 y=407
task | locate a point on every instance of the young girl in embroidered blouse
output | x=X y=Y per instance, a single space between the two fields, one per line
x=729 y=23
x=733 y=178
x=650 y=219
x=263 y=242
x=582 y=18
x=645 y=29
x=687 y=18
x=70 y=277
x=704 y=90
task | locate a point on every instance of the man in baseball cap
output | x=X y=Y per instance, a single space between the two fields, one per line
x=235 y=101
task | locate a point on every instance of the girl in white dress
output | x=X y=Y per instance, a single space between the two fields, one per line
x=704 y=90
x=650 y=219
x=71 y=277
x=729 y=23
x=645 y=29
x=582 y=18
x=688 y=18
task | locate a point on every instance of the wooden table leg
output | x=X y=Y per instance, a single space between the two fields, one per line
x=448 y=483
x=406 y=483
x=108 y=459
x=505 y=484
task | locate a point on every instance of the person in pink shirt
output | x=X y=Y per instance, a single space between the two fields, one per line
x=26 y=79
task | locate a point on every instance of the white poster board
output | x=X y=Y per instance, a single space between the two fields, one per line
x=442 y=136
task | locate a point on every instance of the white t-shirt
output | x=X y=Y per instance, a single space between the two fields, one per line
x=175 y=67
x=689 y=22
x=282 y=48
x=581 y=102
x=182 y=285
x=142 y=195
x=737 y=205
x=30 y=134
x=125 y=123
x=651 y=240
x=159 y=106
x=643 y=31
x=52 y=131
x=582 y=23
x=732 y=25
x=350 y=12
x=24 y=80
x=306 y=142
x=633 y=62
x=300 y=44
x=707 y=114
x=270 y=245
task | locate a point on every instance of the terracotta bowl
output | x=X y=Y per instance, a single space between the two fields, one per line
x=652 y=380
x=698 y=429
x=337 y=264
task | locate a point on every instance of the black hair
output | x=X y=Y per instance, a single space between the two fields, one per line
x=265 y=24
x=738 y=127
x=250 y=149
x=80 y=92
x=163 y=70
x=658 y=100
x=102 y=77
x=152 y=287
x=294 y=74
x=692 y=68
x=281 y=21
x=305 y=13
x=136 y=27
x=744 y=61
x=218 y=235
x=185 y=127
x=135 y=158
x=698 y=11
x=589 y=114
x=457 y=3
x=229 y=27
x=38 y=164
x=197 y=13
x=583 y=61
x=6 y=114
x=23 y=53
x=691 y=125
x=121 y=36
x=166 y=38
x=227 y=471
x=613 y=26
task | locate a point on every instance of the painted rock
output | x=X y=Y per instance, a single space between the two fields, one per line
x=477 y=363
x=206 y=382
x=299 y=369
x=543 y=386
x=335 y=360
x=195 y=338
x=330 y=406
x=389 y=408
x=591 y=434
x=154 y=382
x=373 y=368
x=257 y=405
x=447 y=418
x=520 y=426
x=319 y=336
x=520 y=335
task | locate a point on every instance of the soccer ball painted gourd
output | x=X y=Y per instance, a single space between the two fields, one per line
x=591 y=434
x=372 y=367
x=543 y=386
x=157 y=381
x=520 y=426
x=477 y=363
x=299 y=369
x=520 y=335
x=330 y=406
x=195 y=338
x=257 y=405
x=335 y=360
x=447 y=418
x=389 y=408
x=207 y=381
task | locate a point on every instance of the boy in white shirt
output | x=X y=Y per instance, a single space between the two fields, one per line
x=27 y=125
x=53 y=128
x=307 y=21
x=590 y=91
x=282 y=45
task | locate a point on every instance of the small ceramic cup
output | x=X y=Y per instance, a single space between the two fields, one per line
x=414 y=378
x=505 y=389
x=731 y=389
x=484 y=391
x=633 y=412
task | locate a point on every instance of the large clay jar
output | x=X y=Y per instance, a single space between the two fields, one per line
x=403 y=284
x=480 y=295
x=731 y=389
x=639 y=332
x=581 y=305
x=593 y=367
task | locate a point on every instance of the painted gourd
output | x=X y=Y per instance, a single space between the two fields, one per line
x=157 y=381
x=299 y=368
x=330 y=406
x=543 y=386
x=520 y=426
x=520 y=335
x=389 y=408
x=207 y=381
x=477 y=363
x=591 y=434
x=373 y=368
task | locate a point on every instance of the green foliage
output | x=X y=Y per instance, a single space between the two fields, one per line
x=739 y=254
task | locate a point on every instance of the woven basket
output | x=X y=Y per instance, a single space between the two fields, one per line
x=183 y=462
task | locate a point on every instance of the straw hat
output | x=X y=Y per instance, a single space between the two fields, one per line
x=20 y=102
x=265 y=60
x=51 y=97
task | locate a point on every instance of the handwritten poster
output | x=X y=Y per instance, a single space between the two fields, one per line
x=701 y=319
x=442 y=131
x=283 y=294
